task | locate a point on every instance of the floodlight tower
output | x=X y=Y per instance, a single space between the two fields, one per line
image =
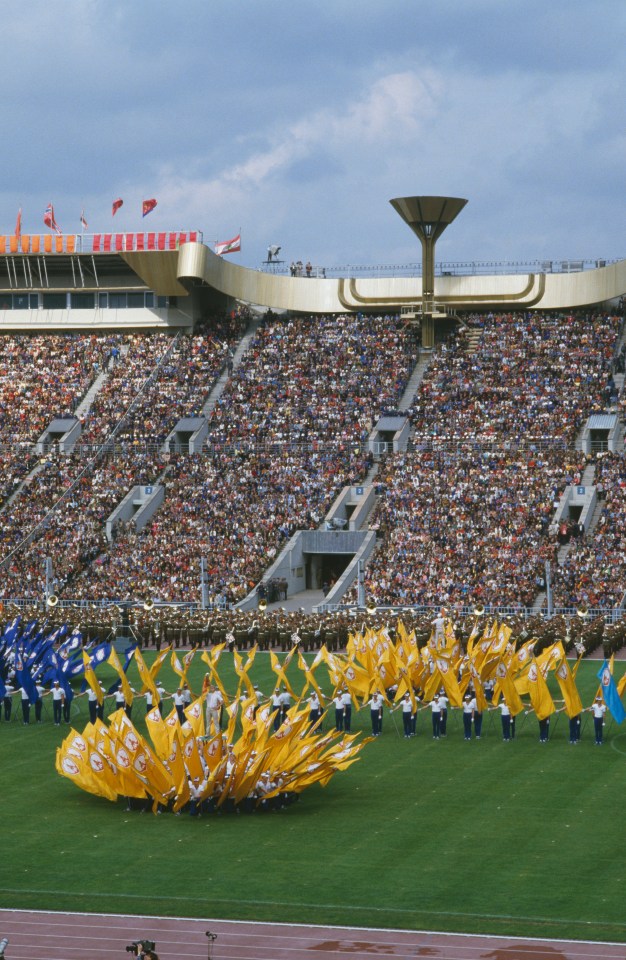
x=428 y=217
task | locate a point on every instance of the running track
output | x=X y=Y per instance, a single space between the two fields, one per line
x=35 y=935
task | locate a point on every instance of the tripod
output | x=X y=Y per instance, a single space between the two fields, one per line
x=212 y=937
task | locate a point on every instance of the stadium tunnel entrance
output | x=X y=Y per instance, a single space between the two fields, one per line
x=324 y=569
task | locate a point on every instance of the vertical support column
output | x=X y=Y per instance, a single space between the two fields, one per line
x=428 y=217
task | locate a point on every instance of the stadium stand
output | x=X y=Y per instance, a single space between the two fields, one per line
x=464 y=514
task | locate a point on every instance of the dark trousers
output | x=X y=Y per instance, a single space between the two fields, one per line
x=436 y=723
x=597 y=727
x=478 y=722
x=314 y=716
x=338 y=719
x=8 y=706
x=377 y=722
x=467 y=725
x=574 y=729
x=347 y=719
x=407 y=719
x=506 y=726
x=67 y=709
x=93 y=710
x=544 y=730
x=57 y=706
x=26 y=711
x=443 y=726
x=38 y=709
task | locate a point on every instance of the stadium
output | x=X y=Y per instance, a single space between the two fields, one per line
x=201 y=456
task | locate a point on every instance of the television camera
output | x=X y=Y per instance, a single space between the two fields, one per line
x=143 y=948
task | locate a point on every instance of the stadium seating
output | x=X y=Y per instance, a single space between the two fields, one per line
x=463 y=514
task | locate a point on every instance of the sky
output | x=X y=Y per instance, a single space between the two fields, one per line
x=294 y=124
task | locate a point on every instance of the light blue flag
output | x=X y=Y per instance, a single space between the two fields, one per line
x=610 y=694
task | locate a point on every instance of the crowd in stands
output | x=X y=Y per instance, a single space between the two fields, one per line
x=460 y=523
x=472 y=525
x=44 y=376
x=74 y=535
x=284 y=439
x=236 y=504
x=593 y=573
x=184 y=371
x=466 y=527
x=16 y=461
x=534 y=377
x=320 y=379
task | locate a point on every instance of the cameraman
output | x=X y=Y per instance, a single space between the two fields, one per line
x=142 y=949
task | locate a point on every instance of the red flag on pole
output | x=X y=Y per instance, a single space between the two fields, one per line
x=48 y=219
x=116 y=205
x=147 y=207
x=18 y=224
x=83 y=222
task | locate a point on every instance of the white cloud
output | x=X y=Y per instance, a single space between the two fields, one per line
x=500 y=106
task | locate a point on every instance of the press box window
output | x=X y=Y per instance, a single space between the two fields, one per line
x=82 y=301
x=54 y=301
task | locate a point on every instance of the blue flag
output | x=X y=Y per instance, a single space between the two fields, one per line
x=24 y=678
x=610 y=694
x=100 y=654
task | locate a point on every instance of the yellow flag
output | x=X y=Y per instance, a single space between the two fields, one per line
x=449 y=681
x=550 y=657
x=506 y=685
x=280 y=672
x=191 y=758
x=73 y=762
x=212 y=751
x=90 y=677
x=540 y=698
x=195 y=717
x=159 y=661
x=146 y=677
x=242 y=673
x=357 y=680
x=158 y=733
x=573 y=703
x=114 y=661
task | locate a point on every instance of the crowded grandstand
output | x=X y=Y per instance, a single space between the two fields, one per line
x=182 y=463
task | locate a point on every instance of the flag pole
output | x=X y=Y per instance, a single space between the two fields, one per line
x=394 y=721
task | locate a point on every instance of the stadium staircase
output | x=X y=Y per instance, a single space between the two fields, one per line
x=473 y=340
x=84 y=406
x=415 y=380
x=81 y=411
x=222 y=380
x=24 y=483
x=586 y=481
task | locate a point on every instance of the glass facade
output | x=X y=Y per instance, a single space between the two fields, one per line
x=61 y=300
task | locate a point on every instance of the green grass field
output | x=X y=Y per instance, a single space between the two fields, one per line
x=491 y=837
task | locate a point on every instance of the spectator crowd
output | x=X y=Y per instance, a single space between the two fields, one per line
x=463 y=514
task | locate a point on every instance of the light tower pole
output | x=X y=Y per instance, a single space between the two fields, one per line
x=428 y=217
